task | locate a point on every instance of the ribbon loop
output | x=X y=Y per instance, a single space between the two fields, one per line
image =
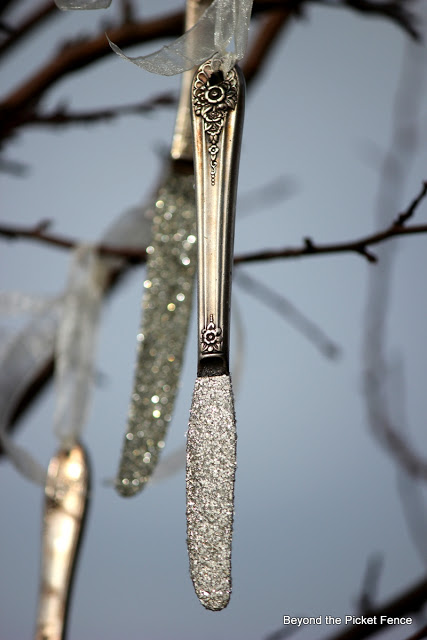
x=224 y=23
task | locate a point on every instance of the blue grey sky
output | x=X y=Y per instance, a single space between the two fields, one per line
x=316 y=495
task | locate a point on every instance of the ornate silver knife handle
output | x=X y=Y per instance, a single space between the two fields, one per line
x=218 y=109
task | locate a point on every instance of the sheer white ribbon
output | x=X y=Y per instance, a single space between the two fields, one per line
x=225 y=23
x=78 y=313
x=26 y=351
x=75 y=346
x=22 y=357
x=221 y=34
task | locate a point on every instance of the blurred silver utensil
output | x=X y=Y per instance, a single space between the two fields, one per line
x=66 y=499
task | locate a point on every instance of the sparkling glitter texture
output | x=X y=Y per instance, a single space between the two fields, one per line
x=211 y=466
x=168 y=292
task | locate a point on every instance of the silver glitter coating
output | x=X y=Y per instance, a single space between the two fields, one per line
x=168 y=292
x=211 y=466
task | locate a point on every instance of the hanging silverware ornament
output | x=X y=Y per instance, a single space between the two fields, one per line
x=67 y=479
x=218 y=108
x=167 y=301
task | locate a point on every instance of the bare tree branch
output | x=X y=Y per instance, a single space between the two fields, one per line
x=39 y=232
x=290 y=313
x=60 y=116
x=405 y=604
x=383 y=418
x=267 y=37
x=75 y=57
x=396 y=10
x=409 y=602
x=360 y=246
x=366 y=599
x=79 y=54
x=420 y=634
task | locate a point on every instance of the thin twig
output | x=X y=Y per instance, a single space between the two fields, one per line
x=360 y=246
x=410 y=211
x=366 y=599
x=39 y=232
x=396 y=11
x=267 y=36
x=32 y=21
x=409 y=602
x=419 y=635
x=290 y=313
x=60 y=116
x=384 y=408
x=404 y=605
x=75 y=57
x=308 y=249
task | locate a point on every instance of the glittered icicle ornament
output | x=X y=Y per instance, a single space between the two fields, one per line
x=168 y=291
x=167 y=300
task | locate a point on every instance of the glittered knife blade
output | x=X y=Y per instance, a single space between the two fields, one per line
x=167 y=303
x=167 y=300
x=211 y=466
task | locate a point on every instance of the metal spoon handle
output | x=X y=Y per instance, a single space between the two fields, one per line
x=218 y=109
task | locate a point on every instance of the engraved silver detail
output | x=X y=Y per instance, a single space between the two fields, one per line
x=211 y=101
x=211 y=337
